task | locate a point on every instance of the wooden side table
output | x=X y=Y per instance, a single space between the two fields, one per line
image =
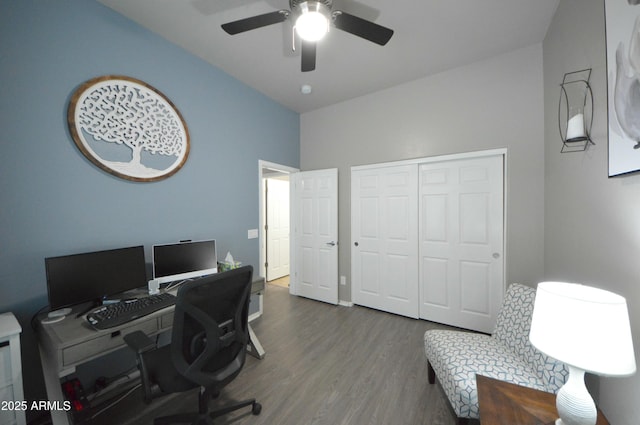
x=503 y=403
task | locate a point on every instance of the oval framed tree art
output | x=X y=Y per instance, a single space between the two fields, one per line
x=128 y=128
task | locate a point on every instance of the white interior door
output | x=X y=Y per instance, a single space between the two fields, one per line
x=277 y=228
x=314 y=212
x=461 y=241
x=384 y=232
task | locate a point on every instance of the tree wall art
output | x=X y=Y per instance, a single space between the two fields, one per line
x=128 y=128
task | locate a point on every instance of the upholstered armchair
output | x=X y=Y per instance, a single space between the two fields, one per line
x=455 y=357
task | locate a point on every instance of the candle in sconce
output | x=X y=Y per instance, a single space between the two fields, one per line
x=575 y=127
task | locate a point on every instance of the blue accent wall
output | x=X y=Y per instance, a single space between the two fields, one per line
x=53 y=201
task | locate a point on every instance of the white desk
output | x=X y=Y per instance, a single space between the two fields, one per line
x=11 y=370
x=71 y=342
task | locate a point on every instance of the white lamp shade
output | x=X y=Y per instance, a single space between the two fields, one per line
x=584 y=327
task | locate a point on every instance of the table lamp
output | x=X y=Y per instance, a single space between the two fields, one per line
x=587 y=329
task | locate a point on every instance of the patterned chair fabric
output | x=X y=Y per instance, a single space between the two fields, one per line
x=456 y=357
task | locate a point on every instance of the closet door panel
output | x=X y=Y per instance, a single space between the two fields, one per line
x=434 y=271
x=461 y=241
x=427 y=240
x=384 y=239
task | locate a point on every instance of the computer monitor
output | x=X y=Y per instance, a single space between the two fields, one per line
x=92 y=276
x=184 y=260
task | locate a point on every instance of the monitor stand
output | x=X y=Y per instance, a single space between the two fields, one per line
x=92 y=305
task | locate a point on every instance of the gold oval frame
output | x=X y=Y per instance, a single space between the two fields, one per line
x=78 y=137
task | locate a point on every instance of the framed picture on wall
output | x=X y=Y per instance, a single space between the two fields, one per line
x=128 y=128
x=623 y=85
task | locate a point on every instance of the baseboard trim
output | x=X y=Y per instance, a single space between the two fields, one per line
x=254 y=316
x=345 y=303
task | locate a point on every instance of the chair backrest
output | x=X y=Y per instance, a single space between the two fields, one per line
x=210 y=327
x=512 y=329
x=514 y=319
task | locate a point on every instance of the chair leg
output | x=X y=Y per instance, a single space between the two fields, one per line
x=467 y=421
x=204 y=416
x=256 y=408
x=184 y=418
x=431 y=374
x=204 y=396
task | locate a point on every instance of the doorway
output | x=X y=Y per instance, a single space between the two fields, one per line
x=274 y=221
x=277 y=227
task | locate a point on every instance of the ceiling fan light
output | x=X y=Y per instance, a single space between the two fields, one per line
x=312 y=24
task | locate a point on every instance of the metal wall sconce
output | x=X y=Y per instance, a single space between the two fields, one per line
x=575 y=111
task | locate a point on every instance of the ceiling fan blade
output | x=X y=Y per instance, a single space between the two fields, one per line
x=254 y=22
x=308 y=56
x=362 y=28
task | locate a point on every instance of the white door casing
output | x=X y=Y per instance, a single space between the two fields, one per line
x=314 y=235
x=461 y=241
x=384 y=227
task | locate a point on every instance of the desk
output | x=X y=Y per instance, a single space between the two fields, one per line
x=503 y=403
x=71 y=342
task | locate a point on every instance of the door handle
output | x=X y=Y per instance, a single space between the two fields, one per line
x=332 y=243
x=496 y=255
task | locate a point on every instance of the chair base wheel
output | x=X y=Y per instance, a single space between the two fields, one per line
x=256 y=409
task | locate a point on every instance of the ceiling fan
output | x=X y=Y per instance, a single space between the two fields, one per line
x=312 y=19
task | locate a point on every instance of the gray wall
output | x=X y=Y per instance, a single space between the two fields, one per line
x=55 y=202
x=491 y=104
x=592 y=223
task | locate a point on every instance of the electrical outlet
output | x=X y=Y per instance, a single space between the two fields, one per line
x=343 y=280
x=252 y=234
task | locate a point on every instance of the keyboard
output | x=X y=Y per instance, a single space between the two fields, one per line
x=110 y=315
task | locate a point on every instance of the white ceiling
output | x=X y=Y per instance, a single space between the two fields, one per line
x=430 y=36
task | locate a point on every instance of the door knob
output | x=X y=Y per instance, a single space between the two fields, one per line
x=496 y=255
x=355 y=243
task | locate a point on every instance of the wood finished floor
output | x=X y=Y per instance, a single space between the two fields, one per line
x=283 y=282
x=324 y=365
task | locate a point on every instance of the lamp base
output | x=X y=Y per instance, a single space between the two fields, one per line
x=561 y=422
x=574 y=403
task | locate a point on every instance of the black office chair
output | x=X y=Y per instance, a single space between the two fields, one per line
x=208 y=345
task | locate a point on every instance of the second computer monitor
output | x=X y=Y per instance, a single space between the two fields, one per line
x=184 y=260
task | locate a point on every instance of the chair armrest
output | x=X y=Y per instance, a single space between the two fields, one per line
x=139 y=342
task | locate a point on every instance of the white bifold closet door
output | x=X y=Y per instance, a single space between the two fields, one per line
x=461 y=242
x=427 y=239
x=384 y=226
